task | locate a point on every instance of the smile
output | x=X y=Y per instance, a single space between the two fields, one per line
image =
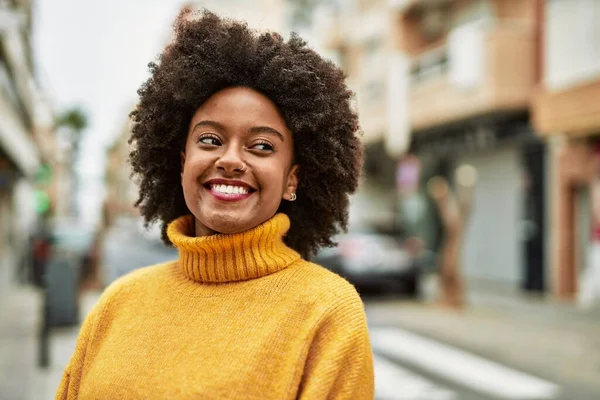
x=228 y=191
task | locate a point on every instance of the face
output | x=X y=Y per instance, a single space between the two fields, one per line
x=237 y=166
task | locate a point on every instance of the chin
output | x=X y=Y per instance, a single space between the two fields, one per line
x=228 y=223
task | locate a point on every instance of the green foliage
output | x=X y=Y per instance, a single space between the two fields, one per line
x=74 y=119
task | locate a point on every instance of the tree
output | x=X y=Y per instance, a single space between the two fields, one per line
x=69 y=127
x=73 y=120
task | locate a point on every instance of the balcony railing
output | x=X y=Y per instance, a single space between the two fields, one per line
x=432 y=64
x=491 y=71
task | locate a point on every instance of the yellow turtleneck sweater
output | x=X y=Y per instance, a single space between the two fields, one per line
x=238 y=316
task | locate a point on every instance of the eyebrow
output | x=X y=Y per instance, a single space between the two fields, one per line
x=212 y=124
x=254 y=129
x=267 y=129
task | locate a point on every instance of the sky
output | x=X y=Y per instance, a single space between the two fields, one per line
x=94 y=54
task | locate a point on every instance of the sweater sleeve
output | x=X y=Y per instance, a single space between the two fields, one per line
x=68 y=388
x=339 y=364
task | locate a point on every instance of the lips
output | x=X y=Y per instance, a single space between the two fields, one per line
x=229 y=190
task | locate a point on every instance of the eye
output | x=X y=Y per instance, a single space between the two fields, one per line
x=210 y=140
x=263 y=147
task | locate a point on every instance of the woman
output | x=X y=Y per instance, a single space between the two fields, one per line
x=246 y=150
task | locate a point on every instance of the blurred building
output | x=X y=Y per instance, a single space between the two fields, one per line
x=26 y=137
x=451 y=82
x=359 y=35
x=473 y=70
x=567 y=114
x=121 y=191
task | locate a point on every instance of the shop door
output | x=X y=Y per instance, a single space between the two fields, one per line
x=533 y=222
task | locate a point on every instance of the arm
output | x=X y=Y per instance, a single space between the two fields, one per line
x=339 y=364
x=69 y=385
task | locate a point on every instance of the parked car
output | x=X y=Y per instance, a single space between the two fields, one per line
x=369 y=259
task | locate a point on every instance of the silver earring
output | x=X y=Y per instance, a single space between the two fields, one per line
x=294 y=197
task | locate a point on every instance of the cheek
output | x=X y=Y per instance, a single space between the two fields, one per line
x=193 y=170
x=186 y=172
x=270 y=176
x=278 y=185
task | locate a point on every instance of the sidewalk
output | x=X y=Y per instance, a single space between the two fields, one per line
x=553 y=340
x=20 y=317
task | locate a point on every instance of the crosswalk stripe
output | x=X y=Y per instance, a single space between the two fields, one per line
x=393 y=382
x=461 y=367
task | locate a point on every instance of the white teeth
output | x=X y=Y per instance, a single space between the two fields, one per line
x=229 y=189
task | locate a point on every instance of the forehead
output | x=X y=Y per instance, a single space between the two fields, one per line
x=240 y=105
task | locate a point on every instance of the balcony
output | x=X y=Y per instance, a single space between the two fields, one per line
x=574 y=111
x=479 y=69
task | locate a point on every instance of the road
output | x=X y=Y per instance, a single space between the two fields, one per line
x=407 y=366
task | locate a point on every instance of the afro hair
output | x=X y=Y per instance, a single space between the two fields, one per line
x=209 y=53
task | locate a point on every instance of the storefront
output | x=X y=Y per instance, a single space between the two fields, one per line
x=505 y=235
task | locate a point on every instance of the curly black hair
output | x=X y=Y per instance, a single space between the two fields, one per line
x=209 y=53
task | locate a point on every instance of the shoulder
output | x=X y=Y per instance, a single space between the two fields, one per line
x=338 y=309
x=329 y=289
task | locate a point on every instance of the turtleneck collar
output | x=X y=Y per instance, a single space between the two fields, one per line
x=234 y=257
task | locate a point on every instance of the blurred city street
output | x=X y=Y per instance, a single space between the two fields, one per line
x=503 y=348
x=129 y=246
x=477 y=217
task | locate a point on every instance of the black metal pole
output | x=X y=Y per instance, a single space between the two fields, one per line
x=44 y=339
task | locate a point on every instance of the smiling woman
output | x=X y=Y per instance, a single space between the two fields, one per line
x=237 y=165
x=246 y=149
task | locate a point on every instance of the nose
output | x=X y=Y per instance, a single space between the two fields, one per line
x=231 y=161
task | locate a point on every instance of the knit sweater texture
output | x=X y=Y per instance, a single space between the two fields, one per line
x=238 y=316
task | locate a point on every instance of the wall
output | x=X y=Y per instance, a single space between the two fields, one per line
x=571 y=172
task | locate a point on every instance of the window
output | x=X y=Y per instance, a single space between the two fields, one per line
x=572 y=53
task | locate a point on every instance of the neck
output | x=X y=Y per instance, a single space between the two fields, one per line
x=219 y=258
x=202 y=230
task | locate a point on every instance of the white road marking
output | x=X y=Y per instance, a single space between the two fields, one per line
x=396 y=383
x=461 y=367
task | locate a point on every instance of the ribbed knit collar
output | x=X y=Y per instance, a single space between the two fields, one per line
x=240 y=256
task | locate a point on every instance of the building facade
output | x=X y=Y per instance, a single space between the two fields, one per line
x=566 y=113
x=359 y=36
x=451 y=82
x=473 y=70
x=121 y=191
x=26 y=139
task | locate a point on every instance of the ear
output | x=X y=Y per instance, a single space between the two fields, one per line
x=182 y=157
x=292 y=182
